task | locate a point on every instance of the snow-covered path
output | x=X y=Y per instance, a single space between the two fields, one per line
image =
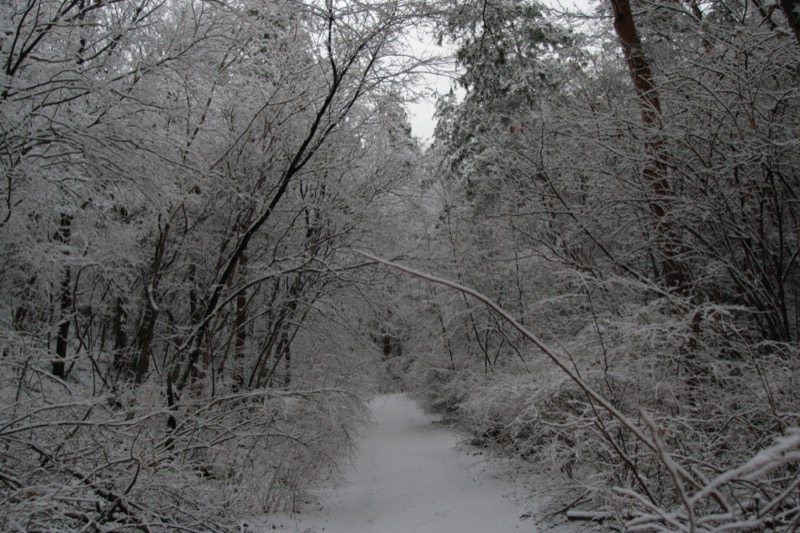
x=410 y=478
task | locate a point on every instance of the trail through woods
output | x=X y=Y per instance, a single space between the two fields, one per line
x=410 y=477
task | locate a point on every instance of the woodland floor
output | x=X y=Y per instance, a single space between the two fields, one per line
x=411 y=475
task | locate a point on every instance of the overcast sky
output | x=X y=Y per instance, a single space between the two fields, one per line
x=420 y=113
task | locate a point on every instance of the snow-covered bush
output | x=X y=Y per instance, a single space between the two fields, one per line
x=695 y=426
x=72 y=460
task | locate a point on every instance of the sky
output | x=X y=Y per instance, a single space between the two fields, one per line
x=420 y=113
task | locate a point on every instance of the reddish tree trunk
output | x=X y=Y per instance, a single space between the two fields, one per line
x=655 y=170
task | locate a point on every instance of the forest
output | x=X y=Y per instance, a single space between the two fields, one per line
x=219 y=238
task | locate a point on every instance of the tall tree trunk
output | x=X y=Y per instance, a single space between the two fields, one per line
x=387 y=345
x=287 y=356
x=144 y=342
x=284 y=339
x=241 y=331
x=62 y=340
x=282 y=353
x=120 y=337
x=655 y=170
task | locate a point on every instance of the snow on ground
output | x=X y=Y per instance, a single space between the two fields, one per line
x=410 y=477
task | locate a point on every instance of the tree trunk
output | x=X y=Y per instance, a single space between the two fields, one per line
x=120 y=338
x=241 y=331
x=62 y=236
x=287 y=357
x=144 y=341
x=387 y=346
x=655 y=170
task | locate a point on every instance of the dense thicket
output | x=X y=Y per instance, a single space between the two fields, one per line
x=627 y=193
x=180 y=342
x=185 y=329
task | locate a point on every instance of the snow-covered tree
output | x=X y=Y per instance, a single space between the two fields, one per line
x=179 y=181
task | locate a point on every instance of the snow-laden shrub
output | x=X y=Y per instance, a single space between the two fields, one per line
x=705 y=397
x=694 y=402
x=442 y=390
x=72 y=460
